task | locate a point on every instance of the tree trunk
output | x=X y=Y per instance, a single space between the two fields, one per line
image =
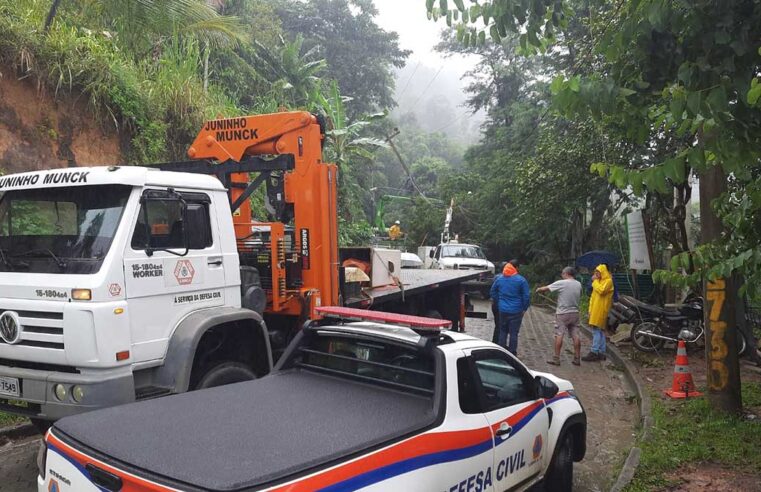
x=51 y=14
x=723 y=366
x=206 y=68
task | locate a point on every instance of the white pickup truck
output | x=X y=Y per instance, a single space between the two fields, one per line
x=361 y=400
x=460 y=256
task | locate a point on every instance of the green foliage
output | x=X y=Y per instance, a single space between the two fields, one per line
x=689 y=432
x=344 y=138
x=534 y=23
x=360 y=56
x=354 y=233
x=7 y=420
x=292 y=72
x=675 y=85
x=156 y=70
x=141 y=24
x=160 y=103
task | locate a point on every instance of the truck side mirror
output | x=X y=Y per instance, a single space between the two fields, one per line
x=545 y=388
x=430 y=253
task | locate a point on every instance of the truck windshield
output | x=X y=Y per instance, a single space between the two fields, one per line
x=370 y=361
x=59 y=230
x=462 y=251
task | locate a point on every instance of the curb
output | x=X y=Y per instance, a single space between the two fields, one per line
x=645 y=408
x=17 y=431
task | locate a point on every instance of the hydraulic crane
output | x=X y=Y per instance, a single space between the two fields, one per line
x=296 y=252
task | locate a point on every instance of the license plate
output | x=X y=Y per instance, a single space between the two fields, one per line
x=9 y=386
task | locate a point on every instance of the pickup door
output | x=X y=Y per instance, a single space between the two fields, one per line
x=505 y=392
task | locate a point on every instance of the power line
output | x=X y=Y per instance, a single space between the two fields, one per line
x=452 y=122
x=426 y=89
x=399 y=97
x=404 y=164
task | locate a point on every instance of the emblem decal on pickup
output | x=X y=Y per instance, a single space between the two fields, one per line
x=536 y=451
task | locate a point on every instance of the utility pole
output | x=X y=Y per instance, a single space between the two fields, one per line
x=719 y=312
x=389 y=138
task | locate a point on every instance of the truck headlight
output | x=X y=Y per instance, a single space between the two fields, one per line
x=42 y=458
x=78 y=393
x=81 y=294
x=60 y=392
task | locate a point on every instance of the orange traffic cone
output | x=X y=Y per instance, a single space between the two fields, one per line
x=683 y=386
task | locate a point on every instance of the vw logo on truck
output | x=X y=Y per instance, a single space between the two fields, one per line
x=10 y=327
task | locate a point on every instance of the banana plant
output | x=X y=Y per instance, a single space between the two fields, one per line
x=293 y=73
x=344 y=138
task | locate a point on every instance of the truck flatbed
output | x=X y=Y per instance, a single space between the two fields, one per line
x=414 y=281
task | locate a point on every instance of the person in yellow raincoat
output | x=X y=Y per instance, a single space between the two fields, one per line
x=599 y=305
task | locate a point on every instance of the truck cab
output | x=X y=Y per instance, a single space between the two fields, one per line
x=111 y=278
x=460 y=256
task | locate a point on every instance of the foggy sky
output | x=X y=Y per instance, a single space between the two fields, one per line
x=430 y=86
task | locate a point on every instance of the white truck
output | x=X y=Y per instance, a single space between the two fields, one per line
x=361 y=400
x=119 y=284
x=129 y=283
x=453 y=255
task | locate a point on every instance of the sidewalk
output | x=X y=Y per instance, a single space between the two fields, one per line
x=612 y=413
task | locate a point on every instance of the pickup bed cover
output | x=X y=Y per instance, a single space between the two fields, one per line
x=250 y=434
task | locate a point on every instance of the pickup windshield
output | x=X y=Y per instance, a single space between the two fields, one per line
x=461 y=251
x=376 y=362
x=59 y=230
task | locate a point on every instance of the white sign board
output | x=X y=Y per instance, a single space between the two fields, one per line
x=639 y=259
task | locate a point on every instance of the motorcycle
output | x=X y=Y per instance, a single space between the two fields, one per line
x=653 y=326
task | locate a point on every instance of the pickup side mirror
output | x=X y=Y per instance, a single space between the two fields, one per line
x=545 y=388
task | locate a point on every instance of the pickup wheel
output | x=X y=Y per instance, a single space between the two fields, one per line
x=225 y=373
x=560 y=473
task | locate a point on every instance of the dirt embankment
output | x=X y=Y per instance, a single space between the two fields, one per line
x=39 y=131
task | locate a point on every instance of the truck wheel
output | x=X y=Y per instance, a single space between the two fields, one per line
x=225 y=373
x=560 y=473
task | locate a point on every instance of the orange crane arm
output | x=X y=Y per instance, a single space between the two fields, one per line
x=308 y=198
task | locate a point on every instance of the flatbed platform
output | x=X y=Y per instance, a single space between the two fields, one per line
x=414 y=281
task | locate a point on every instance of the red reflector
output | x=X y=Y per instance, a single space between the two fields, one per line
x=392 y=318
x=122 y=355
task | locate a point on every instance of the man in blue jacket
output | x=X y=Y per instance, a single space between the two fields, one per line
x=511 y=293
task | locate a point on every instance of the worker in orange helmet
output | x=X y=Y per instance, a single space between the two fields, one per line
x=395 y=231
x=511 y=293
x=599 y=305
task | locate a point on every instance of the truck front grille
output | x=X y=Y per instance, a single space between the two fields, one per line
x=41 y=329
x=39 y=366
